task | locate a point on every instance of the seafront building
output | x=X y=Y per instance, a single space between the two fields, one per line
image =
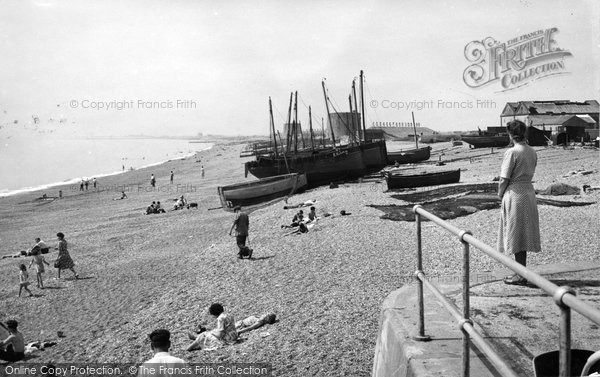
x=568 y=121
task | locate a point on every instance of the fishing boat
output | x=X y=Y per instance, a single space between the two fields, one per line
x=320 y=167
x=265 y=189
x=409 y=156
x=486 y=141
x=398 y=179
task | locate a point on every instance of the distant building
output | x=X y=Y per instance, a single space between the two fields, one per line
x=399 y=130
x=567 y=121
x=344 y=125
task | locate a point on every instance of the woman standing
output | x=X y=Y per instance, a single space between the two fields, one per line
x=64 y=261
x=519 y=222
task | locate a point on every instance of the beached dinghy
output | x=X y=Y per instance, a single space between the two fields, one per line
x=398 y=179
x=265 y=189
x=409 y=156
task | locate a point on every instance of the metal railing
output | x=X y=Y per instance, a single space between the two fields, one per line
x=564 y=297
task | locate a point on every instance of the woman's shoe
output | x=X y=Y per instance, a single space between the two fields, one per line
x=515 y=280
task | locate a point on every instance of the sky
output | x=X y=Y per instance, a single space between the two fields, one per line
x=124 y=67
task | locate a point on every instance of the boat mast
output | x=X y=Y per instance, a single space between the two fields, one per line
x=296 y=123
x=355 y=114
x=328 y=114
x=273 y=127
x=289 y=124
x=415 y=128
x=323 y=131
x=284 y=158
x=362 y=104
x=312 y=136
x=352 y=117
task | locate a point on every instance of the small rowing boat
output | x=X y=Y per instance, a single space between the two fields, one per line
x=265 y=189
x=399 y=179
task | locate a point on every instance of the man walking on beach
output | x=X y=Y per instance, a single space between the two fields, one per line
x=202 y=169
x=162 y=364
x=241 y=224
x=171 y=176
x=152 y=180
x=94 y=180
x=87 y=182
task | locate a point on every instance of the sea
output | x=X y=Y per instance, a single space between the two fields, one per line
x=30 y=164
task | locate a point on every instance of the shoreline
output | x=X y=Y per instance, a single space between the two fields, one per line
x=73 y=181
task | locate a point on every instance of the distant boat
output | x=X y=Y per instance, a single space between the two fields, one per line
x=398 y=179
x=265 y=189
x=409 y=156
x=485 y=141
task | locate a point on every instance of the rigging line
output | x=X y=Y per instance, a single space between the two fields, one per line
x=371 y=97
x=280 y=115
x=346 y=125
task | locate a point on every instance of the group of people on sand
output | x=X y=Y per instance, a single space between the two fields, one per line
x=225 y=332
x=86 y=183
x=155 y=207
x=63 y=262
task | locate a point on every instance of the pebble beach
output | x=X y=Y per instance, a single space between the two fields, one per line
x=141 y=272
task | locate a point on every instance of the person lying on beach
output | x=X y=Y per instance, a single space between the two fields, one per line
x=252 y=322
x=301 y=228
x=224 y=333
x=44 y=249
x=12 y=348
x=307 y=203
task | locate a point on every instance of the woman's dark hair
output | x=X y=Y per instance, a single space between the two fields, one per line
x=22 y=267
x=60 y=235
x=216 y=309
x=516 y=129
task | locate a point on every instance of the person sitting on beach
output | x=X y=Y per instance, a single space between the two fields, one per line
x=44 y=249
x=123 y=196
x=39 y=262
x=158 y=208
x=252 y=322
x=23 y=280
x=312 y=215
x=224 y=333
x=180 y=204
x=12 y=348
x=296 y=221
x=151 y=209
x=160 y=342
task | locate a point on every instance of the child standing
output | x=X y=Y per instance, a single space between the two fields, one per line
x=39 y=261
x=23 y=280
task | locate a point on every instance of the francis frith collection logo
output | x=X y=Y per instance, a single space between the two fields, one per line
x=515 y=63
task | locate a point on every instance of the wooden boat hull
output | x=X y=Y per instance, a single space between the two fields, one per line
x=320 y=167
x=374 y=154
x=409 y=156
x=265 y=189
x=399 y=180
x=487 y=141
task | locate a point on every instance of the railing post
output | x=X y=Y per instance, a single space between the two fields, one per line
x=466 y=304
x=421 y=332
x=564 y=355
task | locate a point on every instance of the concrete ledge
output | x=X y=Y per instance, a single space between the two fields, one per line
x=519 y=323
x=398 y=354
